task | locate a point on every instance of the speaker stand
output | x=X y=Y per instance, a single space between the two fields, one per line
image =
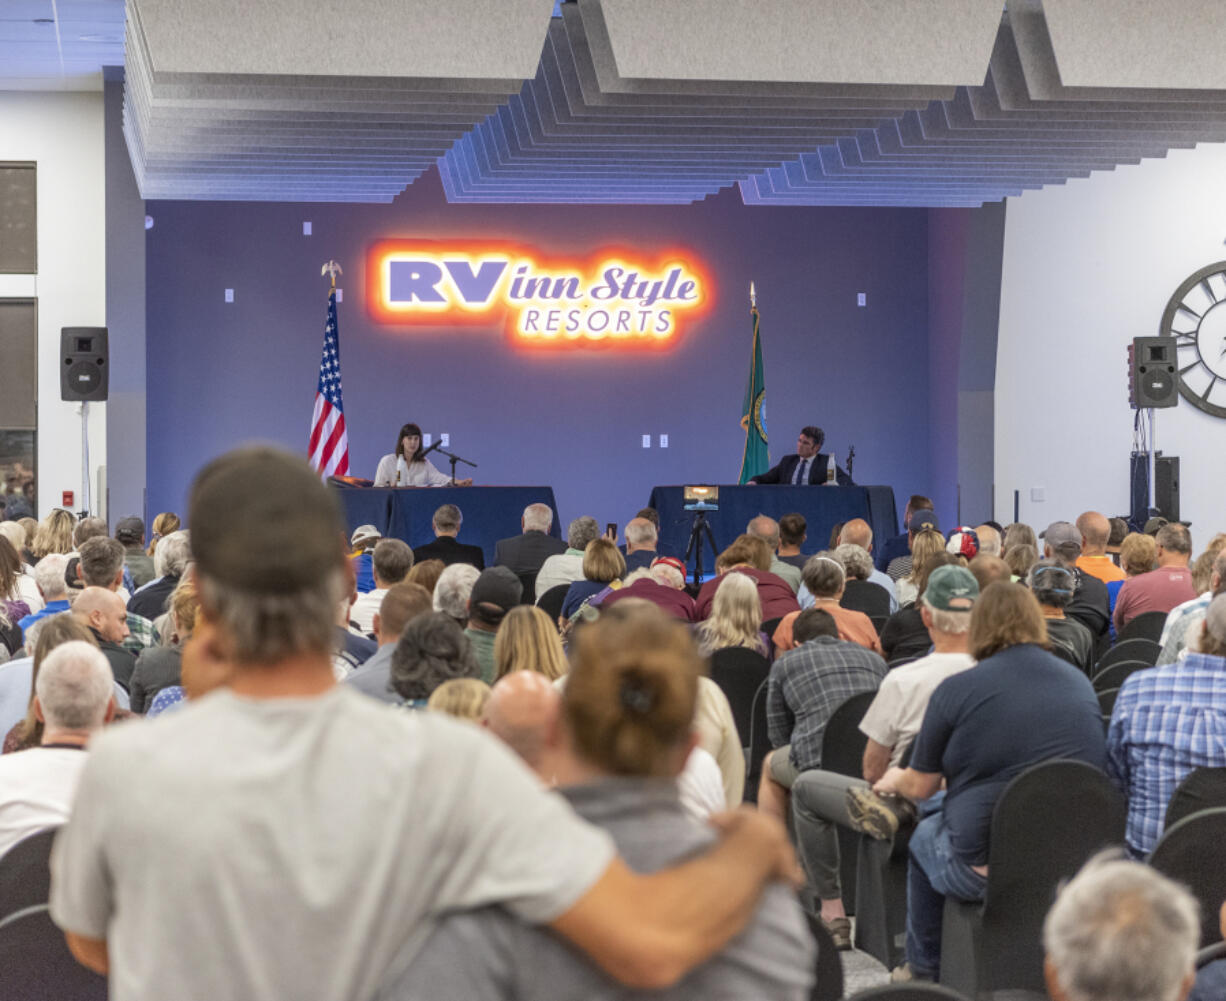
x=84 y=458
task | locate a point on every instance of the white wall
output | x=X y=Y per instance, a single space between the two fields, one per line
x=1087 y=267
x=63 y=133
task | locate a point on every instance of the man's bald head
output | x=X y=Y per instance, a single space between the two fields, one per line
x=857 y=532
x=640 y=534
x=1095 y=531
x=989 y=540
x=103 y=611
x=522 y=712
x=765 y=528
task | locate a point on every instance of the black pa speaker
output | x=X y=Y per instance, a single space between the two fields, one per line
x=83 y=363
x=1166 y=486
x=1154 y=381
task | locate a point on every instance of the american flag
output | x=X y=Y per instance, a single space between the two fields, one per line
x=329 y=441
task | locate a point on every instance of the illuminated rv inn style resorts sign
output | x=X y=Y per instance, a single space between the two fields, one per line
x=612 y=297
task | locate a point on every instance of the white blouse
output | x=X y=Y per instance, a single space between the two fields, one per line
x=393 y=471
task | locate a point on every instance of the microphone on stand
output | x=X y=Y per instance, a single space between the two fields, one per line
x=430 y=448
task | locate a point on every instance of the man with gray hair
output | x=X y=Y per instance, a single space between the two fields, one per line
x=73 y=697
x=446 y=523
x=86 y=529
x=390 y=564
x=859 y=532
x=453 y=589
x=642 y=537
x=1167 y=585
x=767 y=529
x=567 y=567
x=49 y=577
x=317 y=795
x=524 y=554
x=170 y=562
x=1119 y=931
x=1184 y=621
x=821 y=799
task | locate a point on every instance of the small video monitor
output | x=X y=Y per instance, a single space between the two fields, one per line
x=701 y=498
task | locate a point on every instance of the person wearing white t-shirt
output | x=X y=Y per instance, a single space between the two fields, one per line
x=390 y=564
x=821 y=799
x=408 y=465
x=73 y=697
x=305 y=838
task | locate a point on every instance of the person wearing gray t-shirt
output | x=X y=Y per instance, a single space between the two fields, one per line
x=624 y=735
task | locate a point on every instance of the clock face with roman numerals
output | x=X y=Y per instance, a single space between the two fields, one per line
x=1196 y=318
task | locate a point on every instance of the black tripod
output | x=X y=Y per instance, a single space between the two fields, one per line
x=700 y=529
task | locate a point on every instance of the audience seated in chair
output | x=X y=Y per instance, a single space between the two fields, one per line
x=283 y=749
x=767 y=529
x=1020 y=705
x=391 y=562
x=822 y=799
x=73 y=699
x=401 y=604
x=567 y=567
x=749 y=555
x=1053 y=584
x=1162 y=588
x=524 y=554
x=622 y=733
x=807 y=684
x=1166 y=721
x=1183 y=621
x=446 y=523
x=494 y=593
x=825 y=578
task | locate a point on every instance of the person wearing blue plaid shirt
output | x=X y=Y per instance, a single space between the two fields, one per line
x=1167 y=721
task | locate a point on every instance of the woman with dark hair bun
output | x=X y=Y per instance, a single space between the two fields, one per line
x=431 y=650
x=408 y=466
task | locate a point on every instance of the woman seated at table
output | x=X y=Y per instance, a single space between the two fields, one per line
x=408 y=465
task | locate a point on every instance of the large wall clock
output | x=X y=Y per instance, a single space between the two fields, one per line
x=1196 y=318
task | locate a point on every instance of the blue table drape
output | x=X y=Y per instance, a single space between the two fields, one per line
x=823 y=508
x=490 y=513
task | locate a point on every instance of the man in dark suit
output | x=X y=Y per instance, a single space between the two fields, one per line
x=447 y=521
x=807 y=466
x=524 y=554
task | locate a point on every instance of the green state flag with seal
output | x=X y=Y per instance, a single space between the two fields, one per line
x=756 y=459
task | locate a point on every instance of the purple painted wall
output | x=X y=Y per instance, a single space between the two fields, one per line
x=220 y=374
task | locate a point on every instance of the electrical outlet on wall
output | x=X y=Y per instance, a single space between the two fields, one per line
x=1038 y=495
x=647 y=441
x=444 y=440
x=229 y=295
x=306 y=228
x=664 y=441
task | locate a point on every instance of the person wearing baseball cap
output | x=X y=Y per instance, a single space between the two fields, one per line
x=663 y=584
x=494 y=594
x=821 y=799
x=288 y=807
x=1091 y=604
x=963 y=541
x=361 y=545
x=1020 y=705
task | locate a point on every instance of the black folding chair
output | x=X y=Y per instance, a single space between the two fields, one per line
x=1190 y=852
x=843 y=753
x=828 y=973
x=758 y=745
x=1147 y=625
x=528 y=582
x=1201 y=789
x=1135 y=649
x=1115 y=675
x=868 y=597
x=1106 y=701
x=35 y=961
x=739 y=673
x=552 y=600
x=25 y=872
x=1046 y=824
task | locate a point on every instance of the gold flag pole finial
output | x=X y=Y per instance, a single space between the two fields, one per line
x=331 y=268
x=753 y=297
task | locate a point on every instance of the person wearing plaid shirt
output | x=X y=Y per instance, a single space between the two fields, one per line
x=1167 y=721
x=1184 y=621
x=806 y=685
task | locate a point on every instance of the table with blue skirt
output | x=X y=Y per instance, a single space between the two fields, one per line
x=490 y=513
x=823 y=508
